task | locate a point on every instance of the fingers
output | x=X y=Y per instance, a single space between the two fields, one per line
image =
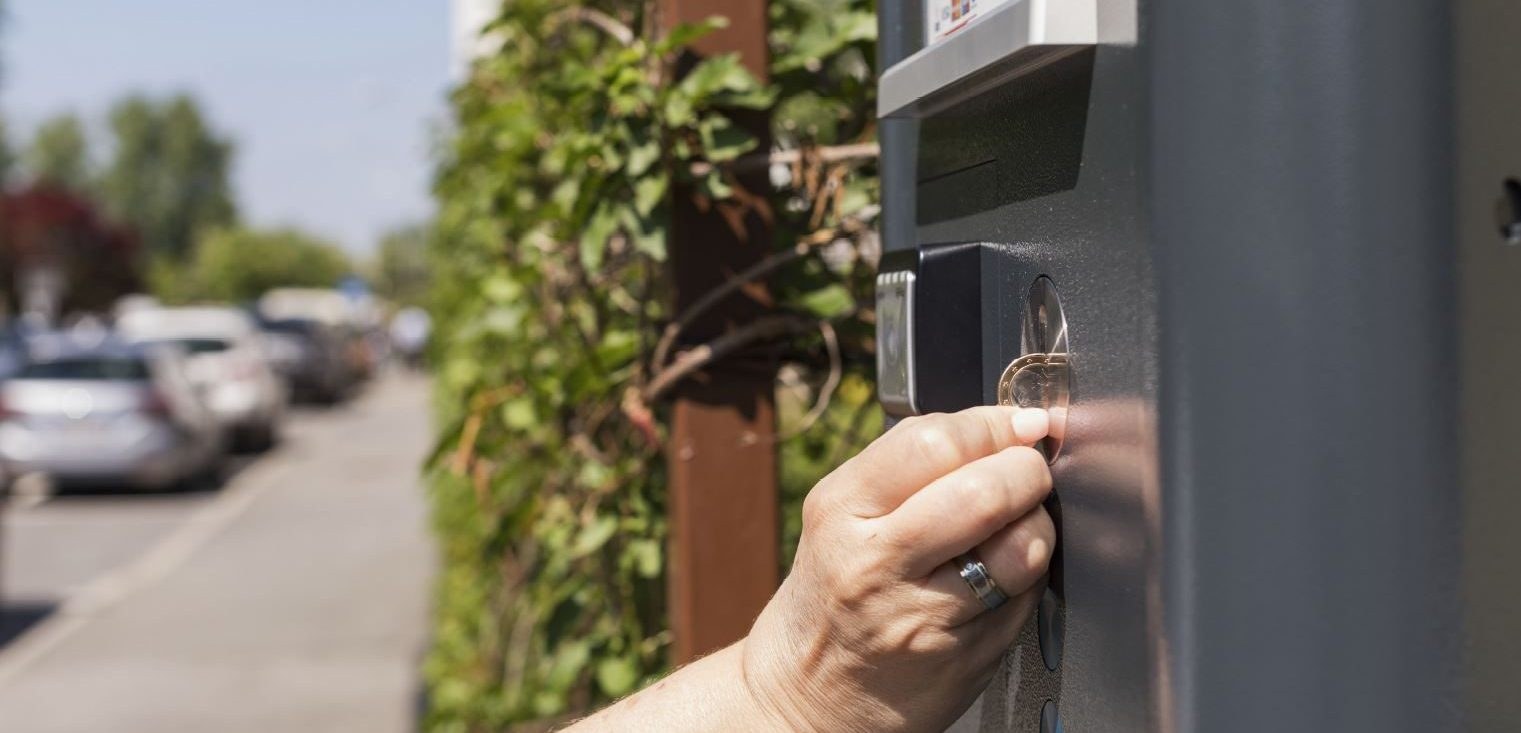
x=960 y=510
x=1031 y=425
x=995 y=631
x=1016 y=557
x=920 y=450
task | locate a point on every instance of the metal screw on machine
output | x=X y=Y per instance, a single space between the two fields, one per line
x=1508 y=211
x=1050 y=718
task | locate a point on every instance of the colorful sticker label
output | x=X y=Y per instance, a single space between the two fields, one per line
x=943 y=18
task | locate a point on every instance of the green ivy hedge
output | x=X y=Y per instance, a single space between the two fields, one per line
x=551 y=294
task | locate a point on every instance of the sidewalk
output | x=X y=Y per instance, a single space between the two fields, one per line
x=295 y=601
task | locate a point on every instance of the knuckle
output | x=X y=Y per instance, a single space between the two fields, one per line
x=1032 y=465
x=900 y=538
x=983 y=498
x=935 y=440
x=1033 y=544
x=914 y=638
x=816 y=510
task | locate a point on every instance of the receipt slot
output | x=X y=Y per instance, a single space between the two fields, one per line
x=1292 y=327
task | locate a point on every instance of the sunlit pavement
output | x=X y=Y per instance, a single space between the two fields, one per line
x=293 y=598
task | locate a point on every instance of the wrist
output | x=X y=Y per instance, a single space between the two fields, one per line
x=763 y=691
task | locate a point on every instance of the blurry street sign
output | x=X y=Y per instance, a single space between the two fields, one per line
x=354 y=287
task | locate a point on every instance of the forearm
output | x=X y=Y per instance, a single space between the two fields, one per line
x=710 y=694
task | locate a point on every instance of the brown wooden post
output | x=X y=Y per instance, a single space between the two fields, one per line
x=724 y=561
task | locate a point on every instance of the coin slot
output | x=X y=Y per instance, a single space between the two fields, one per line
x=1041 y=376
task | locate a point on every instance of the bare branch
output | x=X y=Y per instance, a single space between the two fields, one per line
x=709 y=299
x=690 y=361
x=827 y=154
x=597 y=19
x=826 y=391
x=756 y=271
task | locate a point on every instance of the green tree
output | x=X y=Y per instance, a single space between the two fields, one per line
x=169 y=173
x=7 y=153
x=59 y=154
x=402 y=273
x=235 y=264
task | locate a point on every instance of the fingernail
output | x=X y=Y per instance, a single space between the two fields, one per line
x=1031 y=424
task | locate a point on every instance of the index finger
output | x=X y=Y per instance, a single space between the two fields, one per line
x=921 y=449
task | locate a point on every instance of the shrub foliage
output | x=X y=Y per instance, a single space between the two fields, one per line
x=551 y=303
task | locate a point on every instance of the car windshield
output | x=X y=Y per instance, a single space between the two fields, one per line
x=200 y=345
x=88 y=368
x=294 y=328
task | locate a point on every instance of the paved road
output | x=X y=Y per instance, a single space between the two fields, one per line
x=294 y=598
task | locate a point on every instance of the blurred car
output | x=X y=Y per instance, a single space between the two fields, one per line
x=409 y=334
x=226 y=363
x=12 y=351
x=106 y=412
x=310 y=355
x=359 y=355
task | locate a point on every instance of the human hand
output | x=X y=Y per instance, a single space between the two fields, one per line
x=874 y=629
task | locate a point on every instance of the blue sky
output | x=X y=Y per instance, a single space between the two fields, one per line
x=334 y=104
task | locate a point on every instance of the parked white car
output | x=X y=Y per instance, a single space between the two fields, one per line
x=227 y=364
x=106 y=412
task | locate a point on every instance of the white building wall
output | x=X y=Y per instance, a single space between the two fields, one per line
x=468 y=17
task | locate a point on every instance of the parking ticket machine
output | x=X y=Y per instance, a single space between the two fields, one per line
x=1262 y=259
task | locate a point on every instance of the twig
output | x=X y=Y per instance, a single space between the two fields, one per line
x=712 y=297
x=828 y=197
x=464 y=453
x=851 y=225
x=696 y=358
x=761 y=161
x=596 y=18
x=826 y=391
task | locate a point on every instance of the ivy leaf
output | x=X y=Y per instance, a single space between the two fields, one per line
x=567 y=665
x=593 y=536
x=821 y=40
x=645 y=554
x=618 y=675
x=604 y=221
x=722 y=141
x=722 y=81
x=618 y=347
x=641 y=157
x=594 y=475
x=648 y=233
x=714 y=186
x=678 y=109
x=829 y=301
x=685 y=33
x=649 y=192
x=519 y=413
x=717 y=74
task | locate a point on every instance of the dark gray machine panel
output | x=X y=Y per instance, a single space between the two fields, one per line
x=1489 y=333
x=1289 y=488
x=1047 y=166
